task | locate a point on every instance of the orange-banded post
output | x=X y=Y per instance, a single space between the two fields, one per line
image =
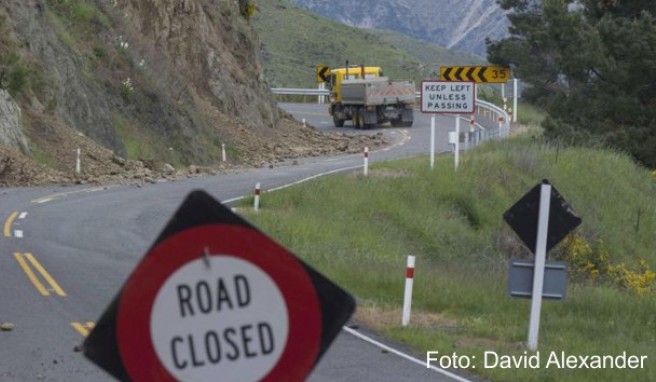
x=366 y=161
x=256 y=200
x=407 y=297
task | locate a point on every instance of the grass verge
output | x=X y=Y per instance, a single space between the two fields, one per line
x=358 y=231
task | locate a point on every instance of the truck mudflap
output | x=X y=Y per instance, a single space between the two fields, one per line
x=404 y=119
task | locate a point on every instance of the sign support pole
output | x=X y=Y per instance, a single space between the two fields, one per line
x=457 y=153
x=515 y=86
x=538 y=272
x=432 y=143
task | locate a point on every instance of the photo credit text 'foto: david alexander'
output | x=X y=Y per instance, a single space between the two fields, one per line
x=537 y=360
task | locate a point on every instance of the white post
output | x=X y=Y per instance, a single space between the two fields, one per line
x=78 y=164
x=538 y=271
x=515 y=91
x=304 y=123
x=223 y=153
x=366 y=161
x=322 y=99
x=503 y=90
x=457 y=153
x=407 y=296
x=432 y=143
x=256 y=200
x=472 y=129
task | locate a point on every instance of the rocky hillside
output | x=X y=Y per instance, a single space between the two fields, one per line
x=459 y=24
x=154 y=81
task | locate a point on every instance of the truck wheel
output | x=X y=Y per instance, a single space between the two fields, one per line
x=361 y=120
x=396 y=122
x=356 y=119
x=338 y=122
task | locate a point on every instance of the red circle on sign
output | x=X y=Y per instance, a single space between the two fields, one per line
x=139 y=292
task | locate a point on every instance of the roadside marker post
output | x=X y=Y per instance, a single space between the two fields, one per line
x=407 y=297
x=223 y=153
x=432 y=143
x=78 y=164
x=366 y=161
x=256 y=200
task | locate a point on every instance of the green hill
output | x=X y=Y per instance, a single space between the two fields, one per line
x=292 y=52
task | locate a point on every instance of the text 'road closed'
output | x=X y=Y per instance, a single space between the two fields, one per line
x=233 y=320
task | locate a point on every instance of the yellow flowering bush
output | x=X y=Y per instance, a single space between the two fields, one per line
x=591 y=262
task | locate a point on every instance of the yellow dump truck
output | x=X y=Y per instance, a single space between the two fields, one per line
x=364 y=96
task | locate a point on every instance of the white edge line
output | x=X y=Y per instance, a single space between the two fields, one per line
x=238 y=198
x=403 y=355
x=23 y=215
x=44 y=201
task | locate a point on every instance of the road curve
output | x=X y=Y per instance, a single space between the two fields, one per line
x=66 y=251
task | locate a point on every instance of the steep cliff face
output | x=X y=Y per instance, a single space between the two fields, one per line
x=211 y=47
x=459 y=24
x=156 y=81
x=11 y=133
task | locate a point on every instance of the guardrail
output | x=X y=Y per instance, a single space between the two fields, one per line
x=498 y=121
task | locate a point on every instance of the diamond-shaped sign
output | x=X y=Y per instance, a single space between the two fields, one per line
x=215 y=299
x=523 y=218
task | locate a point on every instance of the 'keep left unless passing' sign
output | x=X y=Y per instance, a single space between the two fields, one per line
x=448 y=97
x=215 y=299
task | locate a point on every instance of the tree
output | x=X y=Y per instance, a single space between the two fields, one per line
x=592 y=63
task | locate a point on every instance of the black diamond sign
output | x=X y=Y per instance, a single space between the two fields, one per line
x=523 y=218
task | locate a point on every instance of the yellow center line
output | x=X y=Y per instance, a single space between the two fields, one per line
x=31 y=275
x=9 y=222
x=46 y=275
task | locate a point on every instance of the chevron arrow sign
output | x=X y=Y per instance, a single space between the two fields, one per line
x=478 y=74
x=323 y=73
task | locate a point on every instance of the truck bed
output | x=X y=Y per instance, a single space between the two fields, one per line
x=379 y=91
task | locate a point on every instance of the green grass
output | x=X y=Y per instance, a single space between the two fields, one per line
x=291 y=55
x=358 y=231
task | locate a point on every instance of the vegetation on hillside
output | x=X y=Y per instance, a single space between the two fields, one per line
x=592 y=64
x=291 y=54
x=359 y=231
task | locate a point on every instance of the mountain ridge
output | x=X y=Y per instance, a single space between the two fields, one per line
x=462 y=25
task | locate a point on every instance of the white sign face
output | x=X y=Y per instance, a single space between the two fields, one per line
x=231 y=321
x=448 y=97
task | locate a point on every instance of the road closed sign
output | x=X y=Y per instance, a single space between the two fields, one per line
x=214 y=299
x=448 y=97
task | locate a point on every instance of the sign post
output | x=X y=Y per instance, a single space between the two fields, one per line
x=538 y=273
x=457 y=150
x=432 y=143
x=214 y=299
x=541 y=219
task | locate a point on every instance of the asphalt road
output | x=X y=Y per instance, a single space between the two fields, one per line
x=66 y=251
